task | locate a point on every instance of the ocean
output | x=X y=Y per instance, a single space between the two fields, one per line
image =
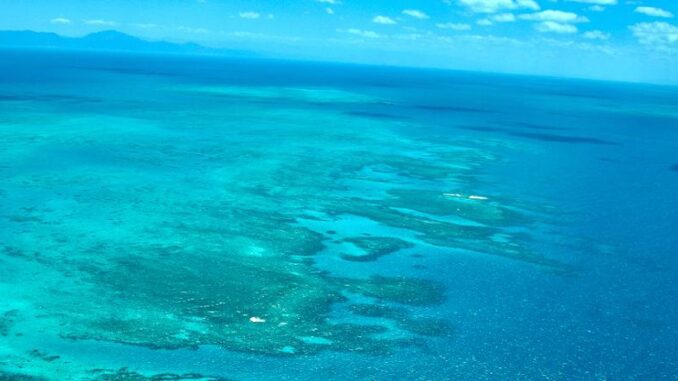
x=206 y=218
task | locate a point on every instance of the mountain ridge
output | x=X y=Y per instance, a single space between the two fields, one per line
x=107 y=40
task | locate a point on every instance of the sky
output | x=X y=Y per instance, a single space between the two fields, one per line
x=628 y=40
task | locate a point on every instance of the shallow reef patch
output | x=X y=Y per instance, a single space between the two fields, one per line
x=563 y=138
x=125 y=374
x=375 y=247
x=7 y=320
x=6 y=376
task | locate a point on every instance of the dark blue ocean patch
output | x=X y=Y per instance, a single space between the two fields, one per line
x=133 y=71
x=539 y=136
x=47 y=98
x=593 y=94
x=562 y=138
x=534 y=126
x=376 y=115
x=384 y=85
x=483 y=129
x=451 y=109
x=13 y=98
x=674 y=168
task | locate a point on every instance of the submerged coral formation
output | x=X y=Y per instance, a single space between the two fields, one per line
x=227 y=225
x=375 y=247
x=125 y=374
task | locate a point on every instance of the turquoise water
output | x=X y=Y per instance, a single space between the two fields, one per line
x=203 y=218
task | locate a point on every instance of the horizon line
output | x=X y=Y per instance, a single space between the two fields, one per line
x=223 y=52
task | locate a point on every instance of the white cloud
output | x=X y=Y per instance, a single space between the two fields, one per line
x=660 y=36
x=362 y=33
x=552 y=21
x=454 y=26
x=500 y=17
x=503 y=17
x=383 y=20
x=596 y=35
x=654 y=12
x=188 y=29
x=249 y=15
x=583 y=46
x=416 y=14
x=333 y=2
x=527 y=4
x=99 y=22
x=555 y=16
x=329 y=11
x=555 y=27
x=596 y=8
x=492 y=40
x=494 y=6
x=60 y=21
x=599 y=2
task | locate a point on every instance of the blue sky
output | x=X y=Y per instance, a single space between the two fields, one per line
x=634 y=40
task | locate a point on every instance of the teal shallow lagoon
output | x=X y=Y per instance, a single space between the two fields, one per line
x=276 y=220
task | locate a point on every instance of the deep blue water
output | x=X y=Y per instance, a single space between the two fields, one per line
x=256 y=219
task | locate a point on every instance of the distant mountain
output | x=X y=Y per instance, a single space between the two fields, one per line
x=107 y=41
